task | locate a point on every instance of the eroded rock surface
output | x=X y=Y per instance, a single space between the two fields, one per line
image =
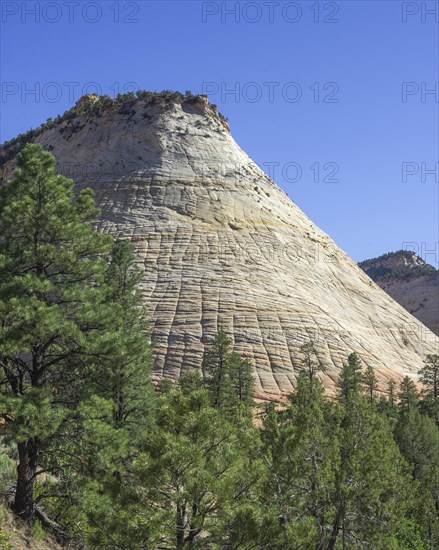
x=410 y=281
x=221 y=245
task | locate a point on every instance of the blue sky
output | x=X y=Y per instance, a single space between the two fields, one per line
x=331 y=97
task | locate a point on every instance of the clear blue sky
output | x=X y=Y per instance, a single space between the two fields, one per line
x=358 y=53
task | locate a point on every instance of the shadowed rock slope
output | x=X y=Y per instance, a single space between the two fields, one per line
x=410 y=281
x=221 y=245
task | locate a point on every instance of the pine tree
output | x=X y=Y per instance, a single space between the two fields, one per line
x=215 y=367
x=387 y=405
x=120 y=409
x=53 y=317
x=372 y=483
x=310 y=362
x=351 y=377
x=408 y=395
x=418 y=439
x=429 y=375
x=370 y=382
x=229 y=377
x=391 y=390
x=301 y=449
x=124 y=377
x=241 y=376
x=198 y=473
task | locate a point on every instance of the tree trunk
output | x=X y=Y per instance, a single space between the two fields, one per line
x=336 y=528
x=24 y=505
x=180 y=527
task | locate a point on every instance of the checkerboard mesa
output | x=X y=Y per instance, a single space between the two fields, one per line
x=222 y=246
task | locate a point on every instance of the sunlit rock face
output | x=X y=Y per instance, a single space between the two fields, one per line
x=222 y=246
x=410 y=281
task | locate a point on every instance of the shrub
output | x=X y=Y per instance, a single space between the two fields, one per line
x=37 y=530
x=4 y=544
x=7 y=470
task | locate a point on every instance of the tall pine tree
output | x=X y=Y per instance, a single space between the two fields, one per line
x=119 y=410
x=52 y=308
x=351 y=377
x=229 y=377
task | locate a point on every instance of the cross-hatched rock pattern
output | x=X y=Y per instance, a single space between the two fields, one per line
x=222 y=246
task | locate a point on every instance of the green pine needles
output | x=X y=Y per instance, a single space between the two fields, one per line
x=91 y=452
x=67 y=313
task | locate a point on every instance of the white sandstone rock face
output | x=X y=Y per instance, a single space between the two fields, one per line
x=222 y=246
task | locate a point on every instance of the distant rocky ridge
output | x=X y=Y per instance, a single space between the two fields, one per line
x=410 y=281
x=222 y=246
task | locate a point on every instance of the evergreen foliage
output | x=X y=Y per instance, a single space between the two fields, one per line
x=229 y=377
x=198 y=473
x=190 y=466
x=370 y=383
x=429 y=375
x=351 y=378
x=53 y=315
